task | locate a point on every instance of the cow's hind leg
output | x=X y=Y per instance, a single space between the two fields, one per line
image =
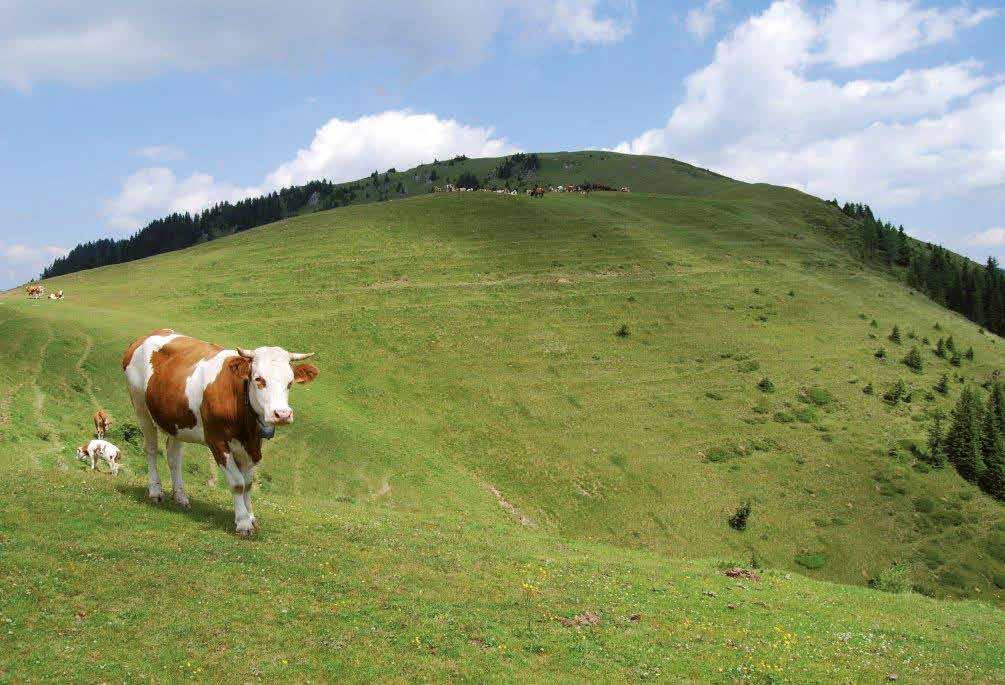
x=149 y=428
x=174 y=456
x=249 y=478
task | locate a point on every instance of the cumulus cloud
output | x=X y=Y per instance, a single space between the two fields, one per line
x=107 y=40
x=344 y=150
x=341 y=150
x=700 y=21
x=992 y=237
x=20 y=262
x=160 y=153
x=758 y=112
x=857 y=32
x=156 y=191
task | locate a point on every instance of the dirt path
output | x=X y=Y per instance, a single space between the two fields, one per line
x=510 y=507
x=79 y=368
x=44 y=427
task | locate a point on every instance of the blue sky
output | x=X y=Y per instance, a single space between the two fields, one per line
x=113 y=113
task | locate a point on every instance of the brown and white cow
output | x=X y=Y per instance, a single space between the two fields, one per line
x=35 y=291
x=101 y=423
x=226 y=399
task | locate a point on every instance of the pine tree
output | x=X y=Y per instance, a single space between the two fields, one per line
x=936 y=442
x=963 y=443
x=913 y=360
x=895 y=335
x=950 y=344
x=940 y=348
x=996 y=405
x=956 y=360
x=992 y=479
x=970 y=353
x=942 y=387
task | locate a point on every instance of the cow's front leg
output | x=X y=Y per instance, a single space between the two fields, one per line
x=249 y=479
x=235 y=481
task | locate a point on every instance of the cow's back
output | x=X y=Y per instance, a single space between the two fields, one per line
x=158 y=367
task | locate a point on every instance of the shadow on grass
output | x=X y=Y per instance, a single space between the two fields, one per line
x=200 y=511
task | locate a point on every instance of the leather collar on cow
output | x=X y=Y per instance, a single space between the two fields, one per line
x=265 y=431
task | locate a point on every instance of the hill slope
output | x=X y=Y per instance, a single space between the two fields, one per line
x=177 y=231
x=469 y=355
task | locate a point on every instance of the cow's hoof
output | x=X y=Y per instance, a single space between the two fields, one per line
x=244 y=532
x=254 y=524
x=156 y=498
x=182 y=501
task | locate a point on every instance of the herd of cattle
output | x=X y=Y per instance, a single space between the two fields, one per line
x=537 y=191
x=36 y=291
x=191 y=391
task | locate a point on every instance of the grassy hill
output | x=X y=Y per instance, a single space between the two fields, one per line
x=483 y=455
x=642 y=173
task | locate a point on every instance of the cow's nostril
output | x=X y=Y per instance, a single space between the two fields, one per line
x=284 y=414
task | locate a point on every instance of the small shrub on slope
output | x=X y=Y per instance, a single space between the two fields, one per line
x=738 y=521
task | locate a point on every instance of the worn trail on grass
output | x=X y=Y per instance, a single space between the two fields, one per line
x=79 y=368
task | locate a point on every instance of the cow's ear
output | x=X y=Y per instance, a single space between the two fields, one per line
x=304 y=373
x=239 y=366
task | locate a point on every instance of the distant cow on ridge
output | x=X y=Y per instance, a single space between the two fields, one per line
x=228 y=400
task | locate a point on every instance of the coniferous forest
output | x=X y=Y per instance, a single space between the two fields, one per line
x=977 y=292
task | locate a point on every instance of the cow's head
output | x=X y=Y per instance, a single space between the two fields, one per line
x=270 y=378
x=82 y=452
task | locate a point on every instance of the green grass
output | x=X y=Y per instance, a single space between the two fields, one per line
x=468 y=345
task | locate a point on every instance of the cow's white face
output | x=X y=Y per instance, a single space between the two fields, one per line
x=272 y=376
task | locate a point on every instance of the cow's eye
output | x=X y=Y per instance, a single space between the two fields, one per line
x=260 y=382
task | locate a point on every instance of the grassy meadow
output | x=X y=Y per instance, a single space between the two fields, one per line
x=483 y=455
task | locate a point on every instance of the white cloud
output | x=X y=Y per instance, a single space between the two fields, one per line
x=756 y=112
x=700 y=21
x=857 y=32
x=156 y=191
x=342 y=150
x=346 y=150
x=20 y=262
x=160 y=153
x=993 y=237
x=578 y=22
x=107 y=40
